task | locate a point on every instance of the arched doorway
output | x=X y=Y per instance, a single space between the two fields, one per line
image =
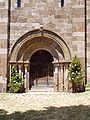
x=34 y=53
x=41 y=70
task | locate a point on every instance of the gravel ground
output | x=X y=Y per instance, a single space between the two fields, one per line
x=41 y=100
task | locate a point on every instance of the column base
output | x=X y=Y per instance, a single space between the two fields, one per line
x=61 y=87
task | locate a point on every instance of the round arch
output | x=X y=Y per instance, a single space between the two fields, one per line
x=34 y=40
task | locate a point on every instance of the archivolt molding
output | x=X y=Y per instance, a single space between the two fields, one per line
x=50 y=41
x=35 y=48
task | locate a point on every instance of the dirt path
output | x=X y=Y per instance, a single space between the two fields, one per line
x=41 y=100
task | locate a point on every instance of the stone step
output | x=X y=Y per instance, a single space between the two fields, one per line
x=42 y=88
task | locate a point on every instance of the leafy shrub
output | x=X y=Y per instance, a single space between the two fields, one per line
x=75 y=75
x=16 y=83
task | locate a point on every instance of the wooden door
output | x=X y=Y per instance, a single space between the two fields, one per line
x=41 y=75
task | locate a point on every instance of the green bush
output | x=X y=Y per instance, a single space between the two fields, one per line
x=16 y=83
x=75 y=75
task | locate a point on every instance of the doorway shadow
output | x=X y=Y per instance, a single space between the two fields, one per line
x=41 y=69
x=41 y=74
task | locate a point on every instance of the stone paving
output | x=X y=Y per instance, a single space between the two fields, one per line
x=41 y=100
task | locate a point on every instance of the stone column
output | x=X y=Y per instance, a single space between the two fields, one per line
x=67 y=84
x=61 y=88
x=56 y=77
x=26 y=82
x=59 y=71
x=20 y=69
x=65 y=78
x=10 y=72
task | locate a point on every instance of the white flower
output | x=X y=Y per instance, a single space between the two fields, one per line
x=75 y=65
x=73 y=73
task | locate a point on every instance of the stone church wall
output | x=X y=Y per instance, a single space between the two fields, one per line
x=3 y=36
x=3 y=43
x=88 y=40
x=68 y=22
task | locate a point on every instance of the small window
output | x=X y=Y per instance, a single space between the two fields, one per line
x=62 y=3
x=18 y=3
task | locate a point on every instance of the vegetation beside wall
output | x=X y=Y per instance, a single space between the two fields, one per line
x=16 y=83
x=75 y=75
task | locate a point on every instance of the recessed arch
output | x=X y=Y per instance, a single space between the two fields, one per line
x=32 y=41
x=38 y=43
x=41 y=56
x=40 y=47
x=41 y=70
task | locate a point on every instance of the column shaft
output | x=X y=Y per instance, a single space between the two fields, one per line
x=56 y=78
x=65 y=78
x=61 y=78
x=10 y=72
x=26 y=82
